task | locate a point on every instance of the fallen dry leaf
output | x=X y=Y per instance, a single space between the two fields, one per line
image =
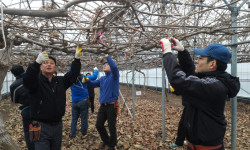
x=142 y=133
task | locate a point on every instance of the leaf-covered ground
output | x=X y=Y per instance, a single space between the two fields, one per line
x=142 y=133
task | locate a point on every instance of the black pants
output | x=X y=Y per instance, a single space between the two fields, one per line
x=107 y=112
x=221 y=148
x=181 y=131
x=91 y=100
x=26 y=121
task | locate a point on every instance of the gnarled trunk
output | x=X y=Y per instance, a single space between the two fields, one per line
x=4 y=64
x=3 y=72
x=6 y=141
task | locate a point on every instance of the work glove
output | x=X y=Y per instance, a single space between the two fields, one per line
x=165 y=45
x=84 y=79
x=178 y=46
x=42 y=57
x=78 y=52
x=96 y=68
x=172 y=89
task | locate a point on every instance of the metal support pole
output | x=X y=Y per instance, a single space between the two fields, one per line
x=147 y=77
x=163 y=103
x=7 y=88
x=139 y=79
x=133 y=86
x=234 y=13
x=156 y=79
x=125 y=103
x=163 y=83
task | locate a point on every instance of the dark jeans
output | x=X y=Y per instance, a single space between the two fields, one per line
x=91 y=100
x=181 y=130
x=50 y=136
x=79 y=108
x=26 y=121
x=107 y=112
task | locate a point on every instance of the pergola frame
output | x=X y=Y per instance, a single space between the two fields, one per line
x=130 y=27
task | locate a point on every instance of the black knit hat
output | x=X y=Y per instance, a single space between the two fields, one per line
x=17 y=70
x=53 y=58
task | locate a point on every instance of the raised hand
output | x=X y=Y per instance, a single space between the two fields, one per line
x=42 y=57
x=165 y=45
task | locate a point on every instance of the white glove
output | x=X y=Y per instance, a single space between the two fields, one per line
x=78 y=52
x=42 y=57
x=179 y=46
x=96 y=68
x=165 y=45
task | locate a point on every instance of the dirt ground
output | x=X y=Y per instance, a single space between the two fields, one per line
x=144 y=132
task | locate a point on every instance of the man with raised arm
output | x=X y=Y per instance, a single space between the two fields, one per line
x=48 y=99
x=109 y=92
x=205 y=92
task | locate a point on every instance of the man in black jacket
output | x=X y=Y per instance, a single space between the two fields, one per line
x=91 y=95
x=48 y=97
x=20 y=95
x=205 y=92
x=187 y=65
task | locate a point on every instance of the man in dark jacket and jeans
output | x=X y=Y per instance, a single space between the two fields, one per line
x=206 y=92
x=109 y=88
x=48 y=97
x=91 y=95
x=20 y=95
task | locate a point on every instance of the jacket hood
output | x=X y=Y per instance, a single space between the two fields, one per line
x=232 y=83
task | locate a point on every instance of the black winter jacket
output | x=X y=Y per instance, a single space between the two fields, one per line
x=48 y=99
x=187 y=66
x=205 y=93
x=91 y=91
x=19 y=94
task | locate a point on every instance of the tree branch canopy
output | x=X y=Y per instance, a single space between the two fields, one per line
x=62 y=12
x=36 y=13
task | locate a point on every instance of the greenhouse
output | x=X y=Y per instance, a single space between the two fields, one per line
x=128 y=36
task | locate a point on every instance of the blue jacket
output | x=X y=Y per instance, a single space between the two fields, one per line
x=79 y=90
x=109 y=84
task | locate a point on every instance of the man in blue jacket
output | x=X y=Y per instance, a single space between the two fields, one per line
x=80 y=103
x=109 y=88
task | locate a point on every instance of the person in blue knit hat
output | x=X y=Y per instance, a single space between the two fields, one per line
x=80 y=103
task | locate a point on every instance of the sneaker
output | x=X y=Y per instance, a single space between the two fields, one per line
x=174 y=146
